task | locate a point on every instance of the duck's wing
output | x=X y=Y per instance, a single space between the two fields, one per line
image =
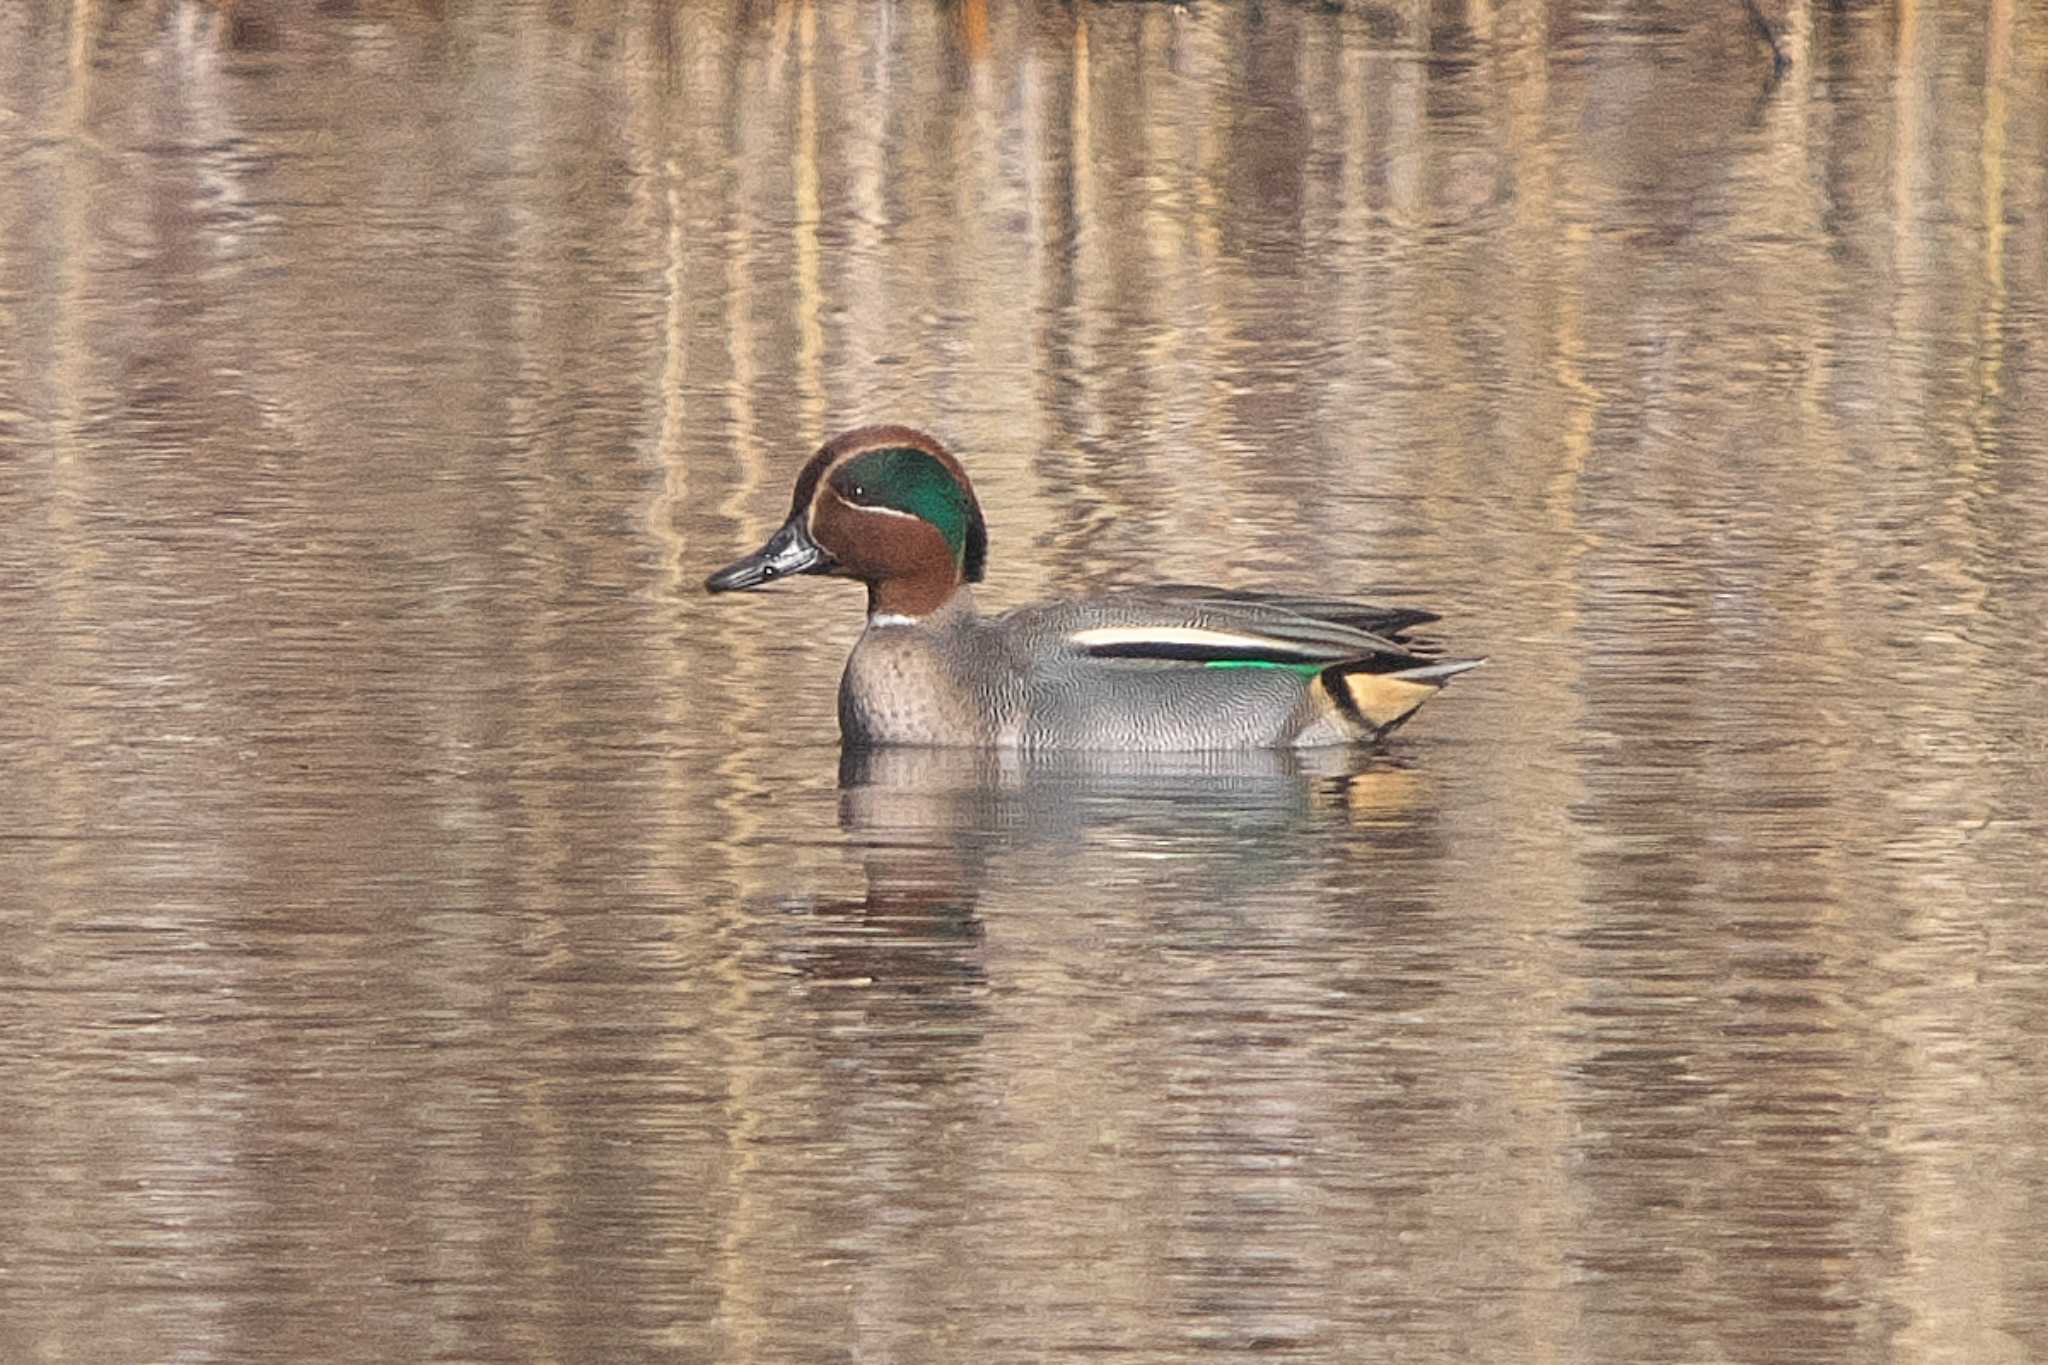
x=1385 y=621
x=1171 y=638
x=1219 y=627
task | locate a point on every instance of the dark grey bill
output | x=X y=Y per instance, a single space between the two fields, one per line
x=790 y=550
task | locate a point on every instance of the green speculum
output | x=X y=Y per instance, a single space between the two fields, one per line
x=1305 y=670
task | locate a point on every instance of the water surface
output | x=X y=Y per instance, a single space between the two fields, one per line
x=434 y=930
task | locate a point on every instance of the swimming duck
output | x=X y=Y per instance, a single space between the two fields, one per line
x=1168 y=668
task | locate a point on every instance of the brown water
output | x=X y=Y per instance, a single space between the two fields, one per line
x=431 y=929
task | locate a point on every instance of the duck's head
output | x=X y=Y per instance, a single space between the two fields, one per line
x=886 y=505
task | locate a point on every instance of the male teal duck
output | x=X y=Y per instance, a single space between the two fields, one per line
x=1165 y=668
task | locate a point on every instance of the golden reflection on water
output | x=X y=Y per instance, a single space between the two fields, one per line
x=435 y=930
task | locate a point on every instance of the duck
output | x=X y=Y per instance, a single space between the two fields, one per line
x=1170 y=668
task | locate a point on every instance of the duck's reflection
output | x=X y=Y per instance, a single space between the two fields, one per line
x=907 y=952
x=1047 y=953
x=889 y=793
x=928 y=825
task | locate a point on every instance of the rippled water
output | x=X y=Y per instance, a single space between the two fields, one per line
x=434 y=930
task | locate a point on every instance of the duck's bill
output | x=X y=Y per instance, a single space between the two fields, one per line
x=789 y=551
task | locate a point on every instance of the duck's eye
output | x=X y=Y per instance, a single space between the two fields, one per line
x=858 y=492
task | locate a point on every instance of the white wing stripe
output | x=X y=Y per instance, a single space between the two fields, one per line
x=1222 y=641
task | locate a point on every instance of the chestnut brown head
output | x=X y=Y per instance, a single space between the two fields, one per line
x=887 y=505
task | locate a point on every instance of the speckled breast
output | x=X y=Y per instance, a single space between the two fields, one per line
x=898 y=690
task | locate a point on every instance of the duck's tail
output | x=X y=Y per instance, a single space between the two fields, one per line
x=1378 y=696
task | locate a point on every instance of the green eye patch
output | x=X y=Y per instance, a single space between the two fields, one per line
x=904 y=479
